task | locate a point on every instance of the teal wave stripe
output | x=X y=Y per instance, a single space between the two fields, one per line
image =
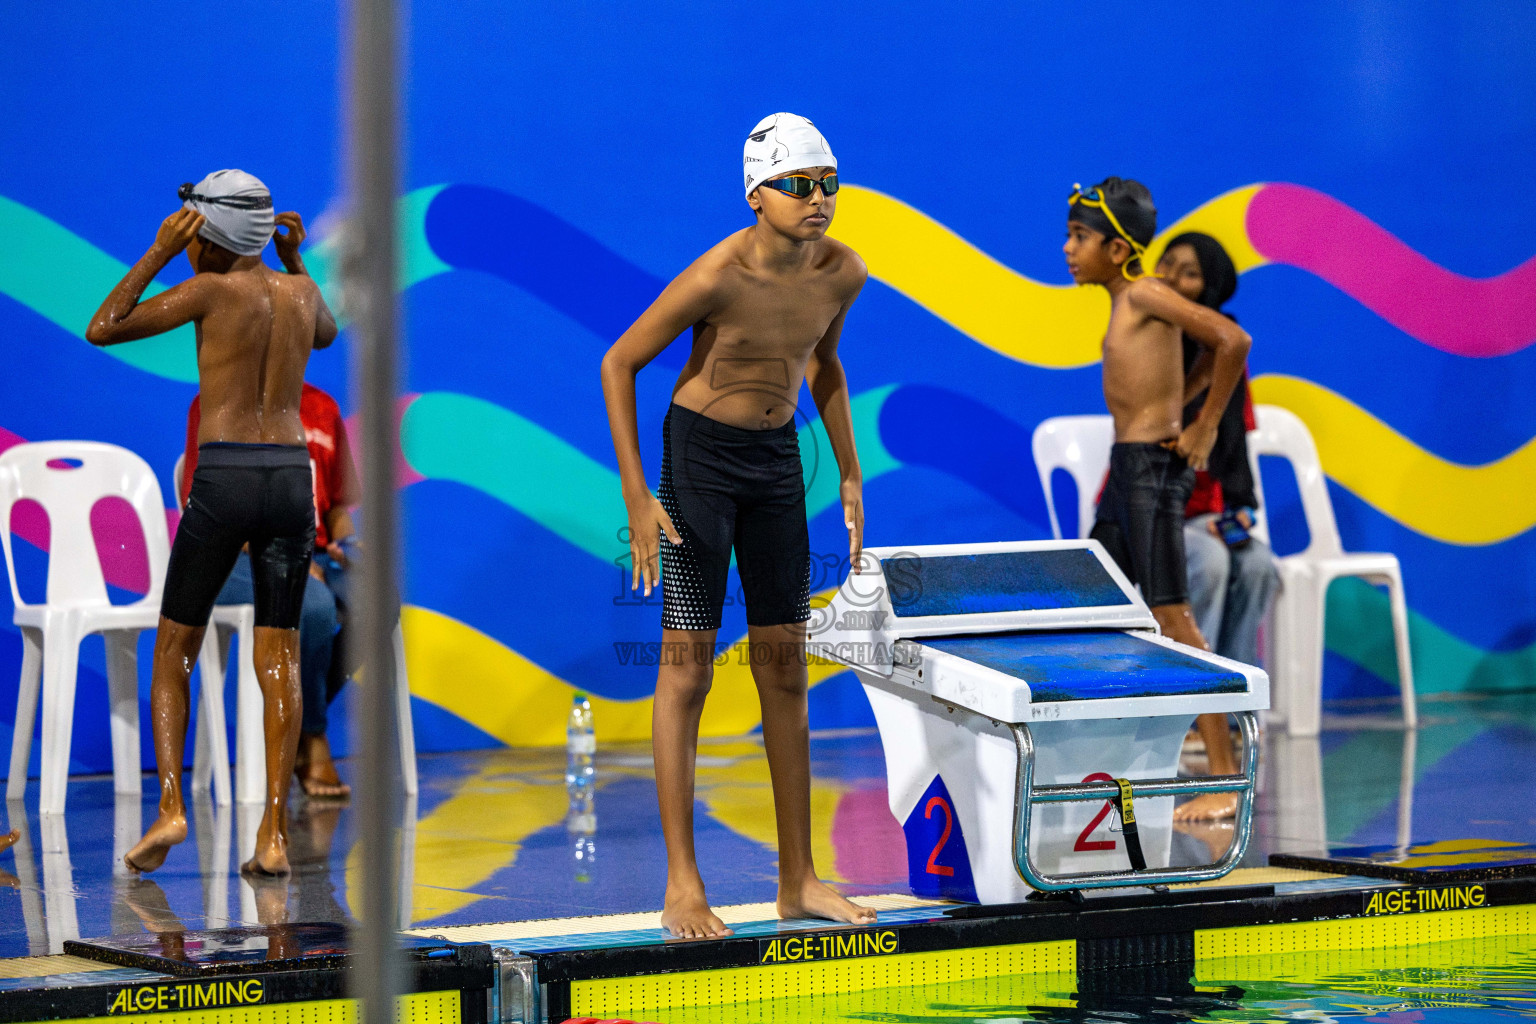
x=448 y=436
x=417 y=260
x=1359 y=629
x=63 y=278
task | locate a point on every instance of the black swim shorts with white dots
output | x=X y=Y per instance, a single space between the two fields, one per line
x=725 y=486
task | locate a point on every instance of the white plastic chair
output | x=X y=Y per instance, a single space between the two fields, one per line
x=77 y=605
x=1296 y=641
x=1080 y=445
x=250 y=743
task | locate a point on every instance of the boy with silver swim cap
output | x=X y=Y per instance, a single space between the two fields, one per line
x=236 y=209
x=252 y=486
x=766 y=308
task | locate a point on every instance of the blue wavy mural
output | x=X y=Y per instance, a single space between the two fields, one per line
x=549 y=205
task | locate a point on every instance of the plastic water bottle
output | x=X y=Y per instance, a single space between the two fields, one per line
x=583 y=846
x=580 y=746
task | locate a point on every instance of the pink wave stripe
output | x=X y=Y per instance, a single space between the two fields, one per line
x=870 y=846
x=1466 y=316
x=404 y=474
x=120 y=542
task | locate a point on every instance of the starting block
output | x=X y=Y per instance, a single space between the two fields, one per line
x=1018 y=687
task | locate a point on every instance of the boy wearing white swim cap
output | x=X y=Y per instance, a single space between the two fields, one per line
x=766 y=309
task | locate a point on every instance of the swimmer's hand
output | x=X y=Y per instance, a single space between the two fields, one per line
x=177 y=231
x=853 y=518
x=647 y=522
x=1194 y=444
x=287 y=245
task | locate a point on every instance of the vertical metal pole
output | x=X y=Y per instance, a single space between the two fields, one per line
x=373 y=152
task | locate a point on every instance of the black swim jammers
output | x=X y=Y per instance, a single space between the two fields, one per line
x=723 y=486
x=1140 y=519
x=256 y=494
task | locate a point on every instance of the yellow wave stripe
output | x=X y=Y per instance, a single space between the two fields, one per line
x=522 y=704
x=1225 y=219
x=1451 y=502
x=479 y=831
x=1054 y=326
x=470 y=836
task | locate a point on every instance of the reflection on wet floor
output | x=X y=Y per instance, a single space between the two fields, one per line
x=489 y=838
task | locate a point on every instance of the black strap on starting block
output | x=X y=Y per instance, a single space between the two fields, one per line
x=1128 y=825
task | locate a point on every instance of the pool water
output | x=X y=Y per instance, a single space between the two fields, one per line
x=1482 y=979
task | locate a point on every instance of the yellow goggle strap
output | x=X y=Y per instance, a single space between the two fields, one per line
x=1128 y=826
x=1138 y=251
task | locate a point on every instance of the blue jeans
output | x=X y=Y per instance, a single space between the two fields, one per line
x=1229 y=589
x=317 y=638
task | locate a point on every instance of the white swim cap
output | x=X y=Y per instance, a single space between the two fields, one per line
x=237 y=208
x=781 y=143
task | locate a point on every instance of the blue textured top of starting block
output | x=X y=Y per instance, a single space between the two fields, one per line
x=1091 y=666
x=999 y=581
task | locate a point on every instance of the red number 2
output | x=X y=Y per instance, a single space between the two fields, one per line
x=935 y=868
x=1084 y=844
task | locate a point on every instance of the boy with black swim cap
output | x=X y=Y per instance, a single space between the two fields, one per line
x=766 y=307
x=1140 y=518
x=255 y=330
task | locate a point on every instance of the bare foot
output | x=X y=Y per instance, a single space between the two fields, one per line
x=687 y=915
x=166 y=832
x=316 y=770
x=818 y=899
x=148 y=903
x=271 y=898
x=271 y=857
x=8 y=841
x=1207 y=807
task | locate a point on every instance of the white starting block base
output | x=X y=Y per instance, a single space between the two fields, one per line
x=937 y=755
x=1017 y=688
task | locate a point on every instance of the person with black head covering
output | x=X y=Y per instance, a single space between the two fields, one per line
x=1232 y=576
x=1140 y=518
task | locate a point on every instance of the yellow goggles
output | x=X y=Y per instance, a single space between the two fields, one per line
x=1092 y=197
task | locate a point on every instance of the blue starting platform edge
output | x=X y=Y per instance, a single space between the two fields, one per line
x=1003 y=581
x=1087 y=665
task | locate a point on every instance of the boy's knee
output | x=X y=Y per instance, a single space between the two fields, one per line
x=783 y=676
x=687 y=679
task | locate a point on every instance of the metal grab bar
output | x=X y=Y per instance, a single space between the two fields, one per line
x=1026 y=796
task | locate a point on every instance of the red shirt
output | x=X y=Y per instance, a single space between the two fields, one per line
x=330 y=457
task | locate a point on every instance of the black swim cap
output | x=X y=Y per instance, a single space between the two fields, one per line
x=1131 y=203
x=1215 y=266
